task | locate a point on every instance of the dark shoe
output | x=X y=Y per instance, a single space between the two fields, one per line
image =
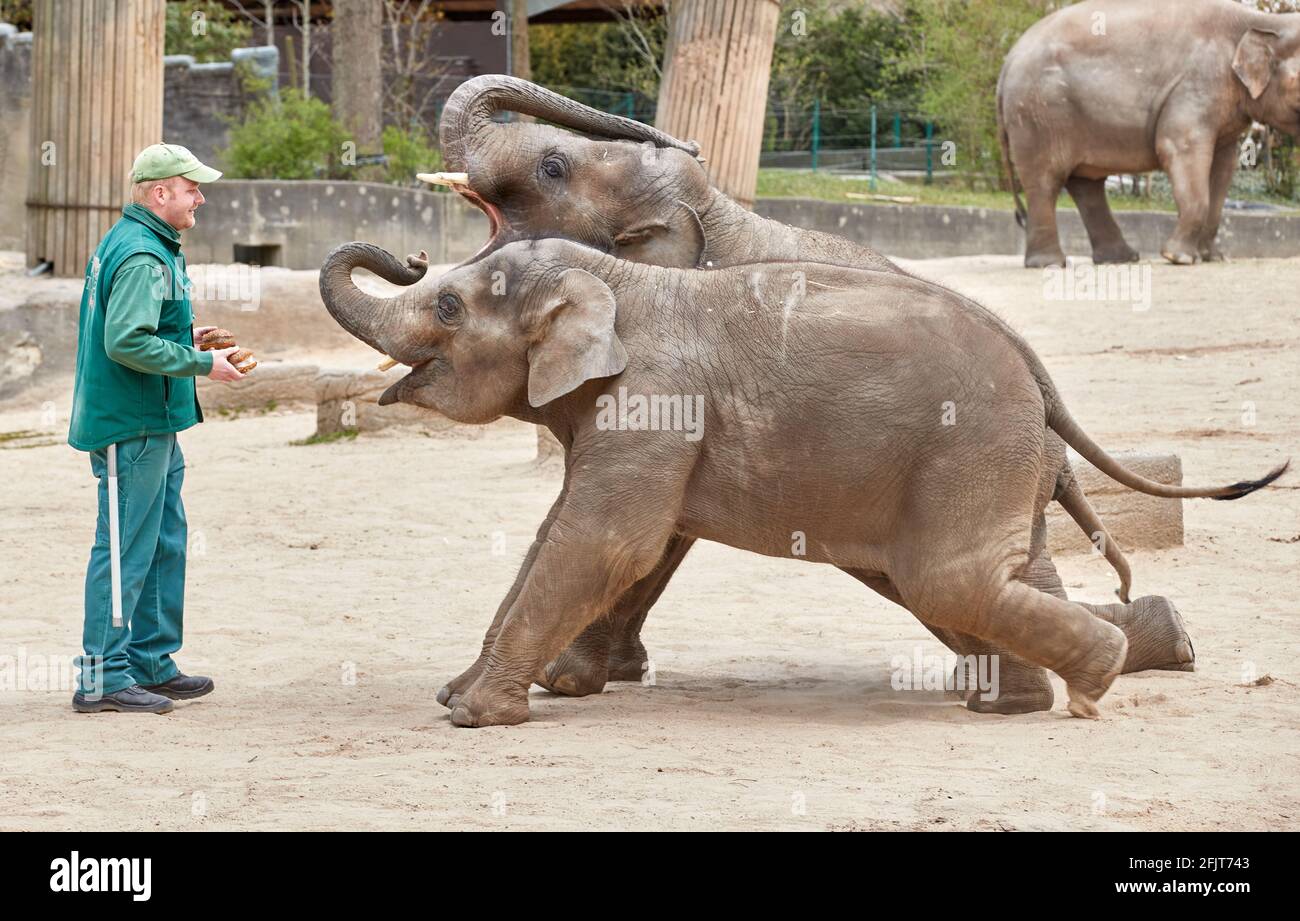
x=183 y=687
x=134 y=699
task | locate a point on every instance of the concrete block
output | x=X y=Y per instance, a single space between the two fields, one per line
x=1135 y=520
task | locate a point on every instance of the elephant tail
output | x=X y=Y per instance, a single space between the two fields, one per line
x=1059 y=418
x=1004 y=142
x=1071 y=498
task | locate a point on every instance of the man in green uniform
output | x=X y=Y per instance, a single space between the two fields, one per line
x=134 y=390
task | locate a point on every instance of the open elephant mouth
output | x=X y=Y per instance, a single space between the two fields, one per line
x=459 y=183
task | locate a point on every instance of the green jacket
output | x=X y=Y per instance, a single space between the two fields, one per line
x=136 y=360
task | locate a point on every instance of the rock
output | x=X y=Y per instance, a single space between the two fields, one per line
x=1134 y=520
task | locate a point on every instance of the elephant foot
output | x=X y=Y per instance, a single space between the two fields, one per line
x=1157 y=637
x=1179 y=254
x=489 y=703
x=1045 y=259
x=449 y=694
x=1213 y=254
x=576 y=673
x=628 y=661
x=1092 y=679
x=1117 y=253
x=1021 y=688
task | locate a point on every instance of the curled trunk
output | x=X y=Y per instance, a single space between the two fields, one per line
x=470 y=108
x=389 y=324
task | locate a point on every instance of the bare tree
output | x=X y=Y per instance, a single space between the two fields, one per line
x=412 y=73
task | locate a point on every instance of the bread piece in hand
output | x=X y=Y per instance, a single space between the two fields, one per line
x=242 y=360
x=216 y=339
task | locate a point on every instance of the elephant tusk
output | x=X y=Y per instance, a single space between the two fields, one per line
x=388 y=363
x=451 y=180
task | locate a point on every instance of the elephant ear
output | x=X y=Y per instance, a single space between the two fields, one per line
x=573 y=338
x=677 y=242
x=1254 y=60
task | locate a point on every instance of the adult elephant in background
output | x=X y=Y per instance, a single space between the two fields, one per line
x=645 y=197
x=1113 y=86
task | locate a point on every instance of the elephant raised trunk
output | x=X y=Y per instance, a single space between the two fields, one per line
x=470 y=108
x=393 y=325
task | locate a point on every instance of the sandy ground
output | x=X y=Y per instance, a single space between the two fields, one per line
x=772 y=704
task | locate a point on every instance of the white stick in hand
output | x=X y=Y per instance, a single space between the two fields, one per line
x=114 y=536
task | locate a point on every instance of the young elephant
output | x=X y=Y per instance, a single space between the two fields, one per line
x=822 y=413
x=645 y=197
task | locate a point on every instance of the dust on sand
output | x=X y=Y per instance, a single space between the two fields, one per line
x=334 y=587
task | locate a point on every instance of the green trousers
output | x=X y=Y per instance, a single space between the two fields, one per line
x=150 y=471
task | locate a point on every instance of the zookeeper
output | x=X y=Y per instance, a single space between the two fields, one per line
x=134 y=390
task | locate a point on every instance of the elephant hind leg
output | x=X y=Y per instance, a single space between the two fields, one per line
x=1022 y=687
x=1108 y=244
x=973 y=597
x=1043 y=246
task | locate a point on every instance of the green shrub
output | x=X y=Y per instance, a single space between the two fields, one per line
x=408 y=152
x=289 y=137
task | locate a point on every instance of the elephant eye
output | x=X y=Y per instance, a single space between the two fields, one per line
x=450 y=309
x=554 y=166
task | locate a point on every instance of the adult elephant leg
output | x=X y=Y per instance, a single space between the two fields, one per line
x=1107 y=239
x=1043 y=247
x=1022 y=687
x=1221 y=170
x=610 y=648
x=1188 y=162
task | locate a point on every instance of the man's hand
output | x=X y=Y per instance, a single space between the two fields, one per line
x=201 y=331
x=223 y=370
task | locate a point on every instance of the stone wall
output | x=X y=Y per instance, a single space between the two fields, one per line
x=296 y=224
x=200 y=101
x=934 y=231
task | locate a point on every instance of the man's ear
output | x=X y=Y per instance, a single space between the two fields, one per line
x=573 y=338
x=677 y=242
x=1254 y=60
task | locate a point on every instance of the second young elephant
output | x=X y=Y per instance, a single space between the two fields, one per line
x=850 y=368
x=645 y=197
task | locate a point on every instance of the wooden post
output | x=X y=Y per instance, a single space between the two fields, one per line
x=714 y=88
x=520 y=63
x=357 y=80
x=97 y=93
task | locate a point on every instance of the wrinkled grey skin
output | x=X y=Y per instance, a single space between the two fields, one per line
x=649 y=200
x=1171 y=85
x=846 y=366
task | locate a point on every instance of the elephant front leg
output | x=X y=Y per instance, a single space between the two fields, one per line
x=610 y=649
x=1221 y=172
x=449 y=693
x=1188 y=161
x=580 y=568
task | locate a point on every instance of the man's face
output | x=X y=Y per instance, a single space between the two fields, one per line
x=175 y=200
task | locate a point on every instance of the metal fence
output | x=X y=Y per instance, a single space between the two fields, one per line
x=871 y=138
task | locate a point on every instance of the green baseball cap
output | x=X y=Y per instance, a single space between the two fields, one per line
x=162 y=161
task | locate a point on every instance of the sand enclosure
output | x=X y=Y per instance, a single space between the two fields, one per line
x=334 y=587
